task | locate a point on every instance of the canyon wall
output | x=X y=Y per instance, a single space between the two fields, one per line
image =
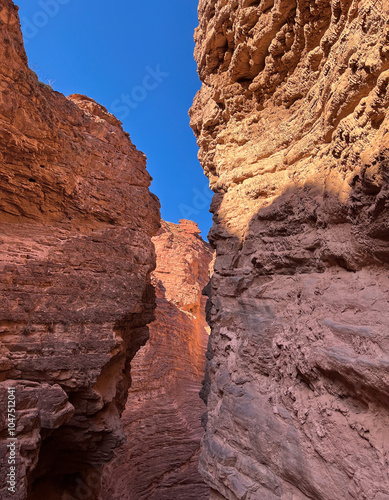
x=76 y=221
x=162 y=419
x=292 y=123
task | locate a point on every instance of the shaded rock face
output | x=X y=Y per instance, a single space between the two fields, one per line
x=162 y=419
x=292 y=125
x=76 y=221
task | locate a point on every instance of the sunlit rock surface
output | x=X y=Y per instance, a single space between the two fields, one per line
x=162 y=419
x=292 y=122
x=76 y=221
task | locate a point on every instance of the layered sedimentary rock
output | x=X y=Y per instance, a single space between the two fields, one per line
x=76 y=221
x=292 y=122
x=162 y=419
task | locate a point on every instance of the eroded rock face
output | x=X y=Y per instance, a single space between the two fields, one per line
x=76 y=221
x=162 y=419
x=292 y=125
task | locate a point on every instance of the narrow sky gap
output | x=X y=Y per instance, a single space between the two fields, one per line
x=136 y=59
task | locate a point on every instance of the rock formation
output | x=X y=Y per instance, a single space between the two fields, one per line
x=162 y=419
x=76 y=221
x=292 y=122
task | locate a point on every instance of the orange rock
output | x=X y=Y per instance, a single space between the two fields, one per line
x=292 y=123
x=162 y=419
x=76 y=221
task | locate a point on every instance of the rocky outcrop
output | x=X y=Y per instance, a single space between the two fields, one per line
x=292 y=122
x=76 y=221
x=163 y=412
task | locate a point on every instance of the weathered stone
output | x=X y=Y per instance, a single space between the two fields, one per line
x=292 y=125
x=162 y=419
x=76 y=221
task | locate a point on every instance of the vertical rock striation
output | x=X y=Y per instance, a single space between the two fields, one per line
x=162 y=419
x=76 y=221
x=292 y=122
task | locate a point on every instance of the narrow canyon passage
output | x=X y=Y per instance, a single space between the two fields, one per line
x=80 y=296
x=162 y=419
x=106 y=338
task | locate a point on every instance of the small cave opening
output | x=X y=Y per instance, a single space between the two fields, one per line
x=62 y=472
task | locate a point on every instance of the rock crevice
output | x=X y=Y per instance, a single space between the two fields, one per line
x=162 y=419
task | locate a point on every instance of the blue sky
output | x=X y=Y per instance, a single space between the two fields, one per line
x=135 y=58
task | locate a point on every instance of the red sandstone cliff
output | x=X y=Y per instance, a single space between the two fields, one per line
x=76 y=221
x=162 y=419
x=292 y=122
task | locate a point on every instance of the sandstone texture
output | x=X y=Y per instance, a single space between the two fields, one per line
x=76 y=221
x=292 y=123
x=162 y=419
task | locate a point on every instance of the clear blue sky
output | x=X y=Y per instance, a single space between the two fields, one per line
x=135 y=58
